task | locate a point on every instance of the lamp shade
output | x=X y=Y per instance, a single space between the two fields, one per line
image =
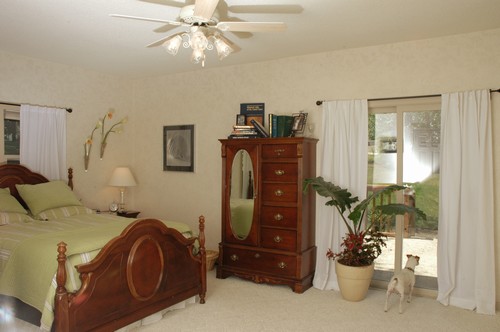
x=122 y=177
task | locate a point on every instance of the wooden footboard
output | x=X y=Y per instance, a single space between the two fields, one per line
x=149 y=267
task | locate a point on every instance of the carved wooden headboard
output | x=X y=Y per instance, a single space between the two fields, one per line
x=10 y=175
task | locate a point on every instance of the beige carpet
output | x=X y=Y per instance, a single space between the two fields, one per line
x=238 y=305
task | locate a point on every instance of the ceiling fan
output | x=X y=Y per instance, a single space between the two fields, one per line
x=206 y=28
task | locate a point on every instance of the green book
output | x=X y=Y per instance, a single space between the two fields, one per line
x=274 y=125
x=284 y=125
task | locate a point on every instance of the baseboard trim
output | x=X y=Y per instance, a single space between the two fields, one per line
x=430 y=293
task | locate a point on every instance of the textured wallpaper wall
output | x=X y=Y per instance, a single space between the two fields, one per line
x=210 y=99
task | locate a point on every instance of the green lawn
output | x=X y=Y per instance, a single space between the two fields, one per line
x=426 y=198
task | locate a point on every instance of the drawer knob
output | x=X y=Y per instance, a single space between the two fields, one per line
x=279 y=192
x=279 y=172
x=257 y=255
x=278 y=239
x=279 y=151
x=278 y=217
x=282 y=265
x=234 y=257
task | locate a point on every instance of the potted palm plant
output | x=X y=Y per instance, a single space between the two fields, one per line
x=363 y=241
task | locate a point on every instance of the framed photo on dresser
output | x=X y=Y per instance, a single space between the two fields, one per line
x=241 y=119
x=299 y=123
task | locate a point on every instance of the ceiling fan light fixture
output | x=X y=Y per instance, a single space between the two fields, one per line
x=172 y=45
x=203 y=19
x=223 y=49
x=197 y=39
x=198 y=56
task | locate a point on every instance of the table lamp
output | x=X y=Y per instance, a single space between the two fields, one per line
x=122 y=177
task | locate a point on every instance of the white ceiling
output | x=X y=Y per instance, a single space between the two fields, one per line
x=81 y=32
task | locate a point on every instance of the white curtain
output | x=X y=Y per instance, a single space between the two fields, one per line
x=466 y=264
x=43 y=140
x=344 y=161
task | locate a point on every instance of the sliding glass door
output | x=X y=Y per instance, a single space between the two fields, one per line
x=404 y=149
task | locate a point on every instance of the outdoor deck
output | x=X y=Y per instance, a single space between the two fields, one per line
x=425 y=247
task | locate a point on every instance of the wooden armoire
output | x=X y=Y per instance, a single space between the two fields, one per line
x=268 y=223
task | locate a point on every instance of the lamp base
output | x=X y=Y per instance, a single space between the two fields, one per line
x=121 y=206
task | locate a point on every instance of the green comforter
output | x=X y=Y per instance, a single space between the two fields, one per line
x=29 y=273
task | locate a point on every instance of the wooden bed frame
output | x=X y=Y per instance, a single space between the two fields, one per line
x=147 y=268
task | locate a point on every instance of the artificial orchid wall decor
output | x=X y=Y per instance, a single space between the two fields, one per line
x=115 y=128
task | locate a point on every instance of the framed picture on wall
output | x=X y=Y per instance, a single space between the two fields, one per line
x=178 y=148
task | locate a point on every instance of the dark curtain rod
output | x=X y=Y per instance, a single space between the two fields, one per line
x=69 y=110
x=320 y=102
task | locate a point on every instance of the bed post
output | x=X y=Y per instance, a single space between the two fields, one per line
x=70 y=177
x=61 y=300
x=203 y=267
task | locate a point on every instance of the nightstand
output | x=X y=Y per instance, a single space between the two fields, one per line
x=128 y=214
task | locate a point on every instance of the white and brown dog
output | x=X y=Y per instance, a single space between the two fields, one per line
x=403 y=282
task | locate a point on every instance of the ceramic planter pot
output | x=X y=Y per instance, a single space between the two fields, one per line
x=354 y=281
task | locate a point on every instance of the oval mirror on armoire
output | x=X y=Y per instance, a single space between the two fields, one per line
x=242 y=197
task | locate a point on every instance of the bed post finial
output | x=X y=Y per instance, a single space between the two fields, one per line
x=202 y=232
x=61 y=268
x=201 y=240
x=70 y=177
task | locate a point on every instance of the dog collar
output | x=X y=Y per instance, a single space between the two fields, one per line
x=409 y=268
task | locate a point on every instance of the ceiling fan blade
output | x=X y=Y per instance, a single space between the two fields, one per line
x=165 y=28
x=147 y=19
x=164 y=39
x=205 y=8
x=266 y=9
x=251 y=26
x=242 y=34
x=170 y=3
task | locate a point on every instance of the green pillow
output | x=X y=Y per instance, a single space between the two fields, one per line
x=63 y=212
x=9 y=203
x=48 y=195
x=7 y=218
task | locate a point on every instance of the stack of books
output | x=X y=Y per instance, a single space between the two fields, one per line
x=280 y=125
x=241 y=131
x=260 y=128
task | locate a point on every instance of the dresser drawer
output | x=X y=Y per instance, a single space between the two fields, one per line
x=271 y=151
x=275 y=238
x=278 y=192
x=258 y=261
x=279 y=172
x=279 y=216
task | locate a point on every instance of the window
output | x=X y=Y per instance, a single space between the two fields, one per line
x=404 y=137
x=11 y=134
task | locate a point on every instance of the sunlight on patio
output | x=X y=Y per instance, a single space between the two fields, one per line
x=424 y=247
